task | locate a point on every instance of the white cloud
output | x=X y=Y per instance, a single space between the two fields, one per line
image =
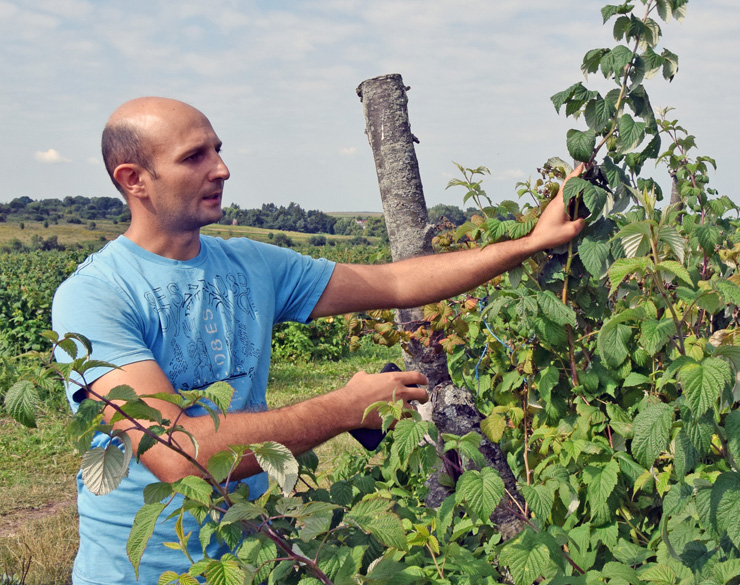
x=93 y=160
x=50 y=156
x=348 y=150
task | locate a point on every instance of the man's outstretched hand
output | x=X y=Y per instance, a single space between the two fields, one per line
x=554 y=227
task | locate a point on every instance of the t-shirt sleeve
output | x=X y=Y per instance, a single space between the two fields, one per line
x=96 y=310
x=298 y=282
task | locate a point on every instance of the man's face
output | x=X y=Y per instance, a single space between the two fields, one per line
x=187 y=192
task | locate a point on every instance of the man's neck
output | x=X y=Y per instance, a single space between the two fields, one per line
x=177 y=246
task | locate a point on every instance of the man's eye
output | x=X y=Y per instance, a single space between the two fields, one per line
x=194 y=157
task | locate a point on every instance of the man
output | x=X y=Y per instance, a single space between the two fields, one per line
x=177 y=310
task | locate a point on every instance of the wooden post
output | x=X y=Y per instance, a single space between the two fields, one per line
x=453 y=410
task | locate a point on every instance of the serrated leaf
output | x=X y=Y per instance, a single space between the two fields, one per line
x=732 y=427
x=708 y=236
x=526 y=558
x=141 y=532
x=677 y=269
x=156 y=492
x=480 y=490
x=122 y=392
x=539 y=499
x=704 y=382
x=655 y=334
x=278 y=462
x=601 y=481
x=21 y=402
x=669 y=235
x=137 y=410
x=630 y=553
x=555 y=310
x=407 y=436
x=493 y=426
x=103 y=468
x=581 y=144
x=599 y=112
x=635 y=239
x=194 y=488
x=652 y=429
x=611 y=342
x=623 y=267
x=727 y=496
x=374 y=516
x=258 y=551
x=220 y=464
x=594 y=254
x=224 y=572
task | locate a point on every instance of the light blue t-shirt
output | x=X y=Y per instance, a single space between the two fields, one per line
x=202 y=320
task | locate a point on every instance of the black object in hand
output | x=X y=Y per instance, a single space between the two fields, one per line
x=371 y=438
x=596 y=176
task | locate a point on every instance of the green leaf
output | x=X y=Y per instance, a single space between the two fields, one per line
x=623 y=267
x=21 y=402
x=555 y=310
x=670 y=66
x=729 y=290
x=631 y=134
x=278 y=462
x=526 y=557
x=581 y=144
x=258 y=551
x=599 y=113
x=141 y=532
x=591 y=61
x=675 y=268
x=540 y=500
x=611 y=342
x=725 y=571
x=594 y=254
x=407 y=436
x=727 y=492
x=194 y=488
x=156 y=492
x=655 y=334
x=669 y=235
x=220 y=464
x=615 y=61
x=704 y=382
x=137 y=410
x=630 y=553
x=652 y=429
x=224 y=572
x=122 y=392
x=480 y=490
x=493 y=426
x=220 y=394
x=103 y=468
x=635 y=238
x=601 y=481
x=732 y=427
x=374 y=516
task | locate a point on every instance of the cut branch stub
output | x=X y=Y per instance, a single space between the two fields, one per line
x=387 y=127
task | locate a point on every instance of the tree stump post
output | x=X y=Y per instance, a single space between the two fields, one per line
x=453 y=410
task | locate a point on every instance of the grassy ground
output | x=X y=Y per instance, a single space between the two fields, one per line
x=38 y=524
x=68 y=233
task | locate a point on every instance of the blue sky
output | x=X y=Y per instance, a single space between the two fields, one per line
x=277 y=79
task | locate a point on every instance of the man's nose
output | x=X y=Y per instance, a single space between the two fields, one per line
x=221 y=171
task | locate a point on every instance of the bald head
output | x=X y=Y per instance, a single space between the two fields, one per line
x=129 y=135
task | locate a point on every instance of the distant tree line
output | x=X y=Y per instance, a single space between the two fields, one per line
x=270 y=216
x=70 y=209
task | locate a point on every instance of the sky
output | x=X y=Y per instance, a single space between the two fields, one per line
x=277 y=80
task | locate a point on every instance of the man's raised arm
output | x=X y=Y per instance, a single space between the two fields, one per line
x=425 y=279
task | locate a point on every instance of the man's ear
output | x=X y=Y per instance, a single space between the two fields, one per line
x=130 y=177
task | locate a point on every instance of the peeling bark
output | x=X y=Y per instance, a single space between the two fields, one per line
x=452 y=409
